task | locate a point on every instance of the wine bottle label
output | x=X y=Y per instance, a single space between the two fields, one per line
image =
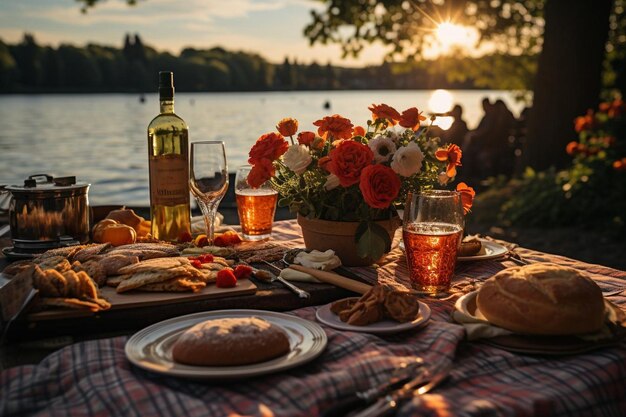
x=169 y=180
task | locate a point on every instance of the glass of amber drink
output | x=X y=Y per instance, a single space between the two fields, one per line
x=432 y=231
x=256 y=206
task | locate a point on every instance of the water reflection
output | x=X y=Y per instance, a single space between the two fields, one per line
x=440 y=101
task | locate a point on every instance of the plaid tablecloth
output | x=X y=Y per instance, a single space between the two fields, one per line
x=95 y=379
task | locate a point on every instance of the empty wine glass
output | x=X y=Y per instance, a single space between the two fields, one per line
x=208 y=179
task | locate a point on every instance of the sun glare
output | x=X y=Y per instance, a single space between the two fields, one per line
x=440 y=101
x=451 y=35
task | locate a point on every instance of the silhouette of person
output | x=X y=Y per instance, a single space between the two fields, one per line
x=458 y=130
x=476 y=158
x=500 y=142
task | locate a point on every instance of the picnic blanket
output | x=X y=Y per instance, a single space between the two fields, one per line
x=94 y=378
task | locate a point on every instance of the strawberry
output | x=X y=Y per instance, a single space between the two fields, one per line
x=226 y=278
x=201 y=241
x=206 y=258
x=195 y=263
x=243 y=271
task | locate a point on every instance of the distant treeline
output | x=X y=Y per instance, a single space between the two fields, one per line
x=27 y=67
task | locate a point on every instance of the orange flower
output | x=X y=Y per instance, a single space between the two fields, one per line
x=452 y=153
x=348 y=160
x=572 y=148
x=323 y=162
x=585 y=122
x=287 y=126
x=306 y=138
x=380 y=185
x=467 y=196
x=620 y=165
x=411 y=118
x=336 y=126
x=358 y=131
x=270 y=146
x=383 y=111
x=262 y=171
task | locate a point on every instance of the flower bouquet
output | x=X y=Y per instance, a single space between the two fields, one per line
x=349 y=173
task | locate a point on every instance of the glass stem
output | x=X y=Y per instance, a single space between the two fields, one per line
x=208 y=213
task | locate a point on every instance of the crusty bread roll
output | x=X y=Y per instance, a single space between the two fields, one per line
x=542 y=298
x=230 y=341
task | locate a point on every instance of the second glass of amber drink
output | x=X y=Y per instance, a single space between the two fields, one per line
x=256 y=206
x=432 y=231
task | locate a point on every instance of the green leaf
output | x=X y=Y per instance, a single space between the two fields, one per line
x=372 y=240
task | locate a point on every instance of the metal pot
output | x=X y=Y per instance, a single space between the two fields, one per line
x=53 y=210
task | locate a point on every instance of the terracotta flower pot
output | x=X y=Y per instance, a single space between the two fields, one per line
x=339 y=236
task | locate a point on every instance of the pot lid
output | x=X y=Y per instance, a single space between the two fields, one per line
x=44 y=184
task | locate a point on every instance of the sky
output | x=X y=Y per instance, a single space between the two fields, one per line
x=272 y=28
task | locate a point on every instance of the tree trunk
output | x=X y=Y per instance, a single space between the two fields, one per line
x=568 y=76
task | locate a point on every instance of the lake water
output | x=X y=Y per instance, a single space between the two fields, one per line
x=101 y=138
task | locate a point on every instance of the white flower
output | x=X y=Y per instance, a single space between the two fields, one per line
x=297 y=158
x=407 y=160
x=383 y=148
x=443 y=178
x=332 y=181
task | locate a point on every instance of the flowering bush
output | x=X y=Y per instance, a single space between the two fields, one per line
x=352 y=173
x=591 y=191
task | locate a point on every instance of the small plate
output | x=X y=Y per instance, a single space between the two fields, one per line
x=324 y=315
x=151 y=348
x=16 y=256
x=489 y=250
x=535 y=344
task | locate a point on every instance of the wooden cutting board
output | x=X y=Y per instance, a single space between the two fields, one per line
x=138 y=299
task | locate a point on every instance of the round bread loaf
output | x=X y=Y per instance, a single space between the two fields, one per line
x=544 y=299
x=230 y=341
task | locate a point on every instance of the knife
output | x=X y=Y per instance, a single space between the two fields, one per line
x=335 y=279
x=356 y=400
x=388 y=405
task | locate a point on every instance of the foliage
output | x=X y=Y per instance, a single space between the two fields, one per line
x=30 y=67
x=348 y=173
x=591 y=191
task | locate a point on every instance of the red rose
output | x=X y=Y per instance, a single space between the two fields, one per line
x=348 y=160
x=270 y=146
x=380 y=185
x=262 y=171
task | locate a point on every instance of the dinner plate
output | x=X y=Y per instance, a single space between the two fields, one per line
x=151 y=348
x=489 y=250
x=537 y=344
x=324 y=315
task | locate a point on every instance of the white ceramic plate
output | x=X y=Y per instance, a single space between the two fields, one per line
x=535 y=344
x=489 y=250
x=324 y=315
x=151 y=348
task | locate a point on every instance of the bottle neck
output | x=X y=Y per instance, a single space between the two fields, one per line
x=166 y=105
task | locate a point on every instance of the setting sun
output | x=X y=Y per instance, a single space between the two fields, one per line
x=451 y=35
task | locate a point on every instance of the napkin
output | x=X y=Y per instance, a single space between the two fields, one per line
x=198 y=226
x=324 y=261
x=477 y=328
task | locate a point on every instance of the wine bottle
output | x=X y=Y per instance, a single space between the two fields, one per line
x=168 y=160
